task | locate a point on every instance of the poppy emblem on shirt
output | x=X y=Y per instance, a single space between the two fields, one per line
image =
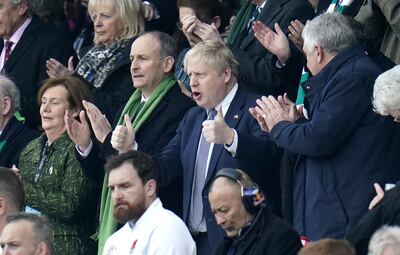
x=133 y=246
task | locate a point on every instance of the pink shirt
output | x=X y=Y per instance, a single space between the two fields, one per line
x=15 y=39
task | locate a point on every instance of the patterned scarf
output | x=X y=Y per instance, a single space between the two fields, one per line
x=99 y=61
x=108 y=224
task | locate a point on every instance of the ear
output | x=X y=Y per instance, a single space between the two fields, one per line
x=320 y=53
x=168 y=64
x=216 y=21
x=228 y=74
x=23 y=7
x=150 y=187
x=42 y=249
x=3 y=206
x=6 y=105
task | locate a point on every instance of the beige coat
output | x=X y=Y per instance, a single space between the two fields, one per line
x=382 y=17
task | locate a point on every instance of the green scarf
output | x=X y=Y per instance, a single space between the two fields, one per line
x=108 y=225
x=240 y=22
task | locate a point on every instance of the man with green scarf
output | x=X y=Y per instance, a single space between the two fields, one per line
x=155 y=108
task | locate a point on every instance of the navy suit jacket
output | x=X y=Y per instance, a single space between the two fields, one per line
x=254 y=152
x=27 y=63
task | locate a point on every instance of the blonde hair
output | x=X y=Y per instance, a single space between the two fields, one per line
x=215 y=54
x=130 y=13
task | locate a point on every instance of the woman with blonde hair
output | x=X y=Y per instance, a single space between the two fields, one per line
x=105 y=67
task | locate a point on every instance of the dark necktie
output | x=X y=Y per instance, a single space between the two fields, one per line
x=196 y=208
x=7 y=50
x=252 y=18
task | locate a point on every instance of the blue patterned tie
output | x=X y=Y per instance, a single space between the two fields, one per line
x=196 y=207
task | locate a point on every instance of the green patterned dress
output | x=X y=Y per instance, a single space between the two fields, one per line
x=61 y=192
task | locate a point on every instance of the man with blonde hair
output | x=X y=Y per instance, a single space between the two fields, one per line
x=218 y=133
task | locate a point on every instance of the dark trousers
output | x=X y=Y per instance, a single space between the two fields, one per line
x=201 y=240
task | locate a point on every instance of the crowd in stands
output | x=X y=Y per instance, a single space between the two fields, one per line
x=183 y=127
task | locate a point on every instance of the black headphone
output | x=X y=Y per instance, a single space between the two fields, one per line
x=252 y=196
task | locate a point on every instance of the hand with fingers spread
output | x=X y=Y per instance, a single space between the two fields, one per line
x=274 y=41
x=207 y=32
x=100 y=125
x=295 y=30
x=79 y=132
x=217 y=131
x=55 y=69
x=379 y=196
x=123 y=136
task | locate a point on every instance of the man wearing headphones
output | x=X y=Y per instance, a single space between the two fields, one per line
x=239 y=208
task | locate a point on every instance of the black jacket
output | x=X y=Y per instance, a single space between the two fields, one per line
x=27 y=63
x=15 y=136
x=267 y=234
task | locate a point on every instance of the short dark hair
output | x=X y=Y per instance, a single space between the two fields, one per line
x=41 y=230
x=11 y=188
x=77 y=90
x=328 y=247
x=168 y=46
x=143 y=163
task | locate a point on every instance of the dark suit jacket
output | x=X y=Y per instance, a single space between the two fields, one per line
x=154 y=134
x=255 y=155
x=257 y=67
x=267 y=234
x=386 y=212
x=168 y=16
x=16 y=136
x=27 y=63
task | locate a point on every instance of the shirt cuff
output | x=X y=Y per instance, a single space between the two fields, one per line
x=86 y=152
x=233 y=147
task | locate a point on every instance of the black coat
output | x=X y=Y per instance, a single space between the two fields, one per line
x=116 y=88
x=27 y=63
x=386 y=212
x=257 y=69
x=267 y=234
x=15 y=137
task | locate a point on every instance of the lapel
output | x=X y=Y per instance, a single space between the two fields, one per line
x=232 y=119
x=268 y=13
x=24 y=43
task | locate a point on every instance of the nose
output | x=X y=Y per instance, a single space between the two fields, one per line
x=134 y=64
x=45 y=107
x=116 y=194
x=220 y=220
x=97 y=21
x=193 y=81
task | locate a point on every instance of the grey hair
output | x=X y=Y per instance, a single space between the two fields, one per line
x=386 y=95
x=9 y=89
x=332 y=31
x=385 y=237
x=32 y=4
